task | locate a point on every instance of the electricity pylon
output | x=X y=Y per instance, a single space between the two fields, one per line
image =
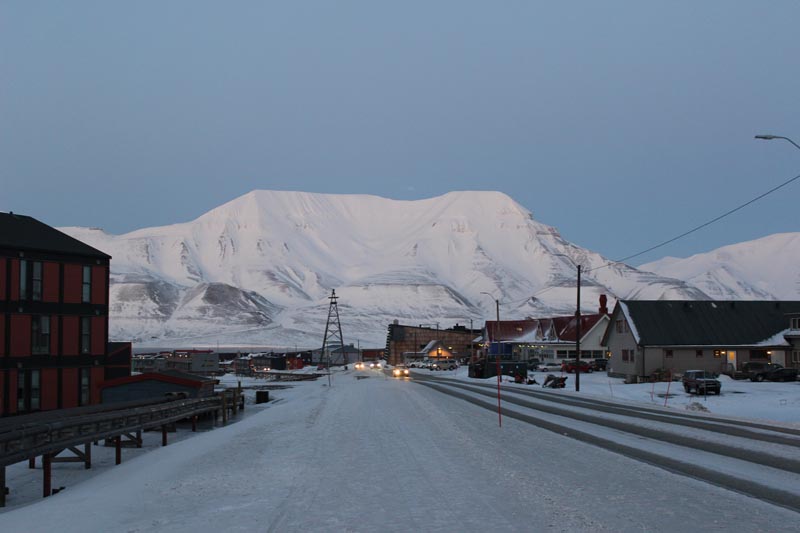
x=333 y=332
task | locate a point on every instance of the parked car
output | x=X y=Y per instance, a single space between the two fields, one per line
x=444 y=364
x=700 y=382
x=599 y=364
x=549 y=367
x=570 y=366
x=359 y=365
x=771 y=372
x=376 y=365
x=533 y=364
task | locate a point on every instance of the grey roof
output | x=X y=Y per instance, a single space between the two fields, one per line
x=22 y=232
x=708 y=322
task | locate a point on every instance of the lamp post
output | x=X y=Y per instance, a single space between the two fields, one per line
x=577 y=326
x=773 y=137
x=497 y=356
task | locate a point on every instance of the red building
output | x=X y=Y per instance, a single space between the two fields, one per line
x=54 y=350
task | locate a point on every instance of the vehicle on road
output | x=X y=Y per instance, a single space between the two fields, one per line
x=570 y=366
x=700 y=382
x=359 y=365
x=599 y=364
x=400 y=371
x=376 y=365
x=771 y=372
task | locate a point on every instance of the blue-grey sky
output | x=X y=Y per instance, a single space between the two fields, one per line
x=621 y=123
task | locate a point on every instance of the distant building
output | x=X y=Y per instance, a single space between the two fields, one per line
x=54 y=350
x=406 y=343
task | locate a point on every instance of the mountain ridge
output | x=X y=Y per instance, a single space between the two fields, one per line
x=276 y=256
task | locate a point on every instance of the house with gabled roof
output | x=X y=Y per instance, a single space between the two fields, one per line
x=550 y=339
x=646 y=336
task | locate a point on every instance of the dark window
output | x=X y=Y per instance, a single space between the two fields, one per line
x=21 y=391
x=23 y=280
x=718 y=354
x=86 y=334
x=698 y=353
x=795 y=357
x=85 y=397
x=619 y=326
x=668 y=353
x=36 y=390
x=36 y=281
x=86 y=288
x=795 y=323
x=40 y=335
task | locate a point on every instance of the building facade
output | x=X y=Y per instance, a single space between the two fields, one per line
x=669 y=336
x=54 y=289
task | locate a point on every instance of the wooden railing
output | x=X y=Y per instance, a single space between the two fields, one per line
x=48 y=433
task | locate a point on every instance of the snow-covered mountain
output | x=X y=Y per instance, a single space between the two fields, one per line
x=762 y=269
x=259 y=269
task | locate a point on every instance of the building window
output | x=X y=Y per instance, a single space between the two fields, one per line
x=627 y=355
x=21 y=391
x=795 y=323
x=40 y=335
x=86 y=287
x=796 y=357
x=86 y=334
x=36 y=391
x=561 y=354
x=668 y=353
x=719 y=354
x=698 y=353
x=36 y=281
x=619 y=326
x=85 y=397
x=23 y=280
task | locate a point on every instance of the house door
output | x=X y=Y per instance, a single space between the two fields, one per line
x=732 y=358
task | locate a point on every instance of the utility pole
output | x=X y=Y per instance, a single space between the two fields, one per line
x=578 y=335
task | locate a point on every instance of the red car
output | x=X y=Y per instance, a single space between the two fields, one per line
x=569 y=367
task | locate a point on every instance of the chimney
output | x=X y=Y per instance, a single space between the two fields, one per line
x=603 y=303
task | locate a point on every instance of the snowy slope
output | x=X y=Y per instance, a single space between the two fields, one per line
x=259 y=269
x=762 y=269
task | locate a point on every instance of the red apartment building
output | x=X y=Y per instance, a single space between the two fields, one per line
x=54 y=350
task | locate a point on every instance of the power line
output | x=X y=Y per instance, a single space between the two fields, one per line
x=701 y=226
x=668 y=241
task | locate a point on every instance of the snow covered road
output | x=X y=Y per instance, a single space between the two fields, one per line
x=373 y=453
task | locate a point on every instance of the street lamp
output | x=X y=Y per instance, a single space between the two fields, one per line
x=497 y=356
x=577 y=326
x=773 y=137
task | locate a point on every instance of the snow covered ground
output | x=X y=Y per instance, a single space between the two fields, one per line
x=371 y=453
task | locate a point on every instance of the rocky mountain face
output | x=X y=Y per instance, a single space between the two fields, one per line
x=259 y=270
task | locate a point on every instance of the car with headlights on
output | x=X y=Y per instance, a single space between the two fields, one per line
x=400 y=371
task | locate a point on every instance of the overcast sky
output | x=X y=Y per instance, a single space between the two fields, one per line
x=622 y=124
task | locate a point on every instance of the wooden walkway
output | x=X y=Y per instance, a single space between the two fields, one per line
x=49 y=433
